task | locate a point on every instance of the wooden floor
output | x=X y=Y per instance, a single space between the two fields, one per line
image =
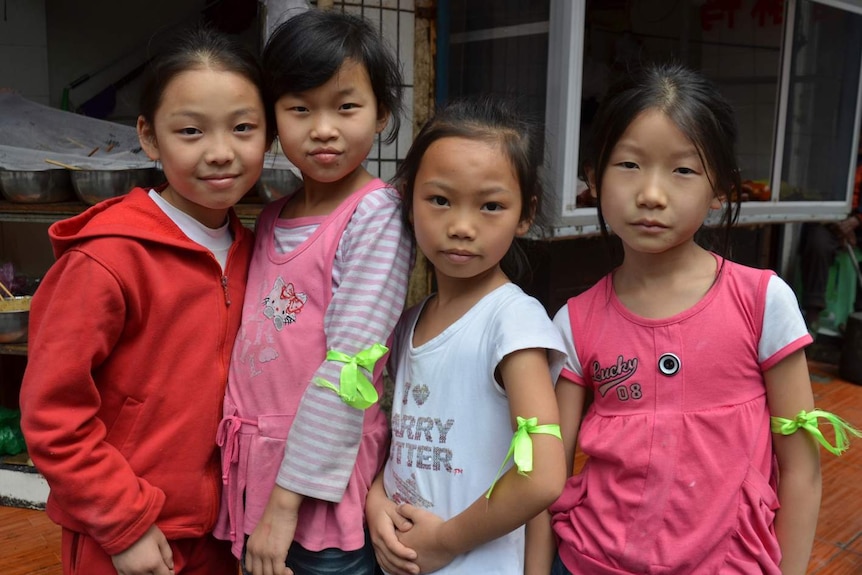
x=30 y=543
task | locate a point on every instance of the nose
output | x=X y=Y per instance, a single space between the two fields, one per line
x=220 y=150
x=323 y=128
x=461 y=225
x=652 y=193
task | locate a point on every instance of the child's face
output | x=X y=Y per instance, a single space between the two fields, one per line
x=655 y=191
x=466 y=207
x=327 y=131
x=209 y=133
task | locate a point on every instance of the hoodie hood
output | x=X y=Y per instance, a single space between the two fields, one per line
x=134 y=215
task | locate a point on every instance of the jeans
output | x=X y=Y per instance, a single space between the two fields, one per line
x=558 y=568
x=330 y=561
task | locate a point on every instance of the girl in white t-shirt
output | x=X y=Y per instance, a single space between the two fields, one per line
x=474 y=361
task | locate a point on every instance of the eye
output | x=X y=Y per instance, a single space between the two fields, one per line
x=438 y=201
x=298 y=109
x=189 y=131
x=244 y=127
x=492 y=207
x=628 y=165
x=349 y=106
x=687 y=171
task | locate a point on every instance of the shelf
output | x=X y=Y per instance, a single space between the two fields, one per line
x=13 y=349
x=247 y=210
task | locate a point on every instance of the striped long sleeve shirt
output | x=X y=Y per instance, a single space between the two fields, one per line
x=370 y=275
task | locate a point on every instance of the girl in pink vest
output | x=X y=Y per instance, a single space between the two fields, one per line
x=701 y=431
x=303 y=435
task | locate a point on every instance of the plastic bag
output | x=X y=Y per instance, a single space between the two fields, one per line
x=11 y=438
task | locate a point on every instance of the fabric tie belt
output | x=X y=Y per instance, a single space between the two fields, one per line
x=227 y=438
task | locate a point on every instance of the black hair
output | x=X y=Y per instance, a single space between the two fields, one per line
x=497 y=119
x=697 y=108
x=198 y=47
x=307 y=50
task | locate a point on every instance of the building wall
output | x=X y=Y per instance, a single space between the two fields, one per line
x=24 y=49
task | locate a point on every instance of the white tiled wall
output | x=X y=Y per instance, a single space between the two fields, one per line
x=24 y=48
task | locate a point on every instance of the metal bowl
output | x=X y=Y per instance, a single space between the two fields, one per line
x=275 y=183
x=36 y=187
x=93 y=186
x=14 y=319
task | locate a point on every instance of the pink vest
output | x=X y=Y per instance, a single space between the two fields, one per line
x=680 y=476
x=278 y=349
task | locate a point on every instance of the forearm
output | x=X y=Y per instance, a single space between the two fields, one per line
x=796 y=521
x=540 y=547
x=515 y=500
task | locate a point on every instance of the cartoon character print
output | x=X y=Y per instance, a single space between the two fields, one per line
x=283 y=304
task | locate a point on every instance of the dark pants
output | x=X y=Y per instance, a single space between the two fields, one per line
x=558 y=568
x=329 y=561
x=817 y=249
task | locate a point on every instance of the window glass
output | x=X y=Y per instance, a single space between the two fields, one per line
x=821 y=108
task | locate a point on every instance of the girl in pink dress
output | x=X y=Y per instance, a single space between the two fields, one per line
x=692 y=366
x=303 y=435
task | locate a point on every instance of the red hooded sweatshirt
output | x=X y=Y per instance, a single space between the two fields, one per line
x=131 y=331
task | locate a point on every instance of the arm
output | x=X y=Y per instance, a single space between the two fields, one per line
x=541 y=544
x=91 y=481
x=846 y=228
x=384 y=523
x=516 y=498
x=788 y=390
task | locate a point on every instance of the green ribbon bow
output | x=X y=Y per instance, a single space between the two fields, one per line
x=808 y=422
x=355 y=389
x=521 y=448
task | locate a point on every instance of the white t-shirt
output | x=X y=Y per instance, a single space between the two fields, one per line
x=450 y=419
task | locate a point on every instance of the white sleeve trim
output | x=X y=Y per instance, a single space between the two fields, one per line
x=782 y=320
x=561 y=320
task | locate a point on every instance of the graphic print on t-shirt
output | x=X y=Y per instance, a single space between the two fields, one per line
x=418 y=441
x=283 y=304
x=614 y=377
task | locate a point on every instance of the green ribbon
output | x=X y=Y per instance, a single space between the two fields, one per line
x=354 y=388
x=808 y=422
x=521 y=448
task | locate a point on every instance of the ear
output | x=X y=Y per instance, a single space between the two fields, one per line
x=147 y=138
x=591 y=181
x=382 y=119
x=717 y=200
x=525 y=224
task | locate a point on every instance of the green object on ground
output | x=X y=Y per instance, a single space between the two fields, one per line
x=11 y=438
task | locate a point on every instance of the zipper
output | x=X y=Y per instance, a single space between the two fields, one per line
x=224 y=287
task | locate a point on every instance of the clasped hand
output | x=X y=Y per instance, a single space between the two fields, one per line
x=406 y=540
x=149 y=555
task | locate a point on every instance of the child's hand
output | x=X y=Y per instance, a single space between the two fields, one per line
x=150 y=554
x=266 y=549
x=424 y=538
x=385 y=525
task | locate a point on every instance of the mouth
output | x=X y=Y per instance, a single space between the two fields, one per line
x=220 y=180
x=325 y=155
x=650 y=225
x=459 y=256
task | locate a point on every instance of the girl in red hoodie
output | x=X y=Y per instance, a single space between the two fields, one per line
x=132 y=328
